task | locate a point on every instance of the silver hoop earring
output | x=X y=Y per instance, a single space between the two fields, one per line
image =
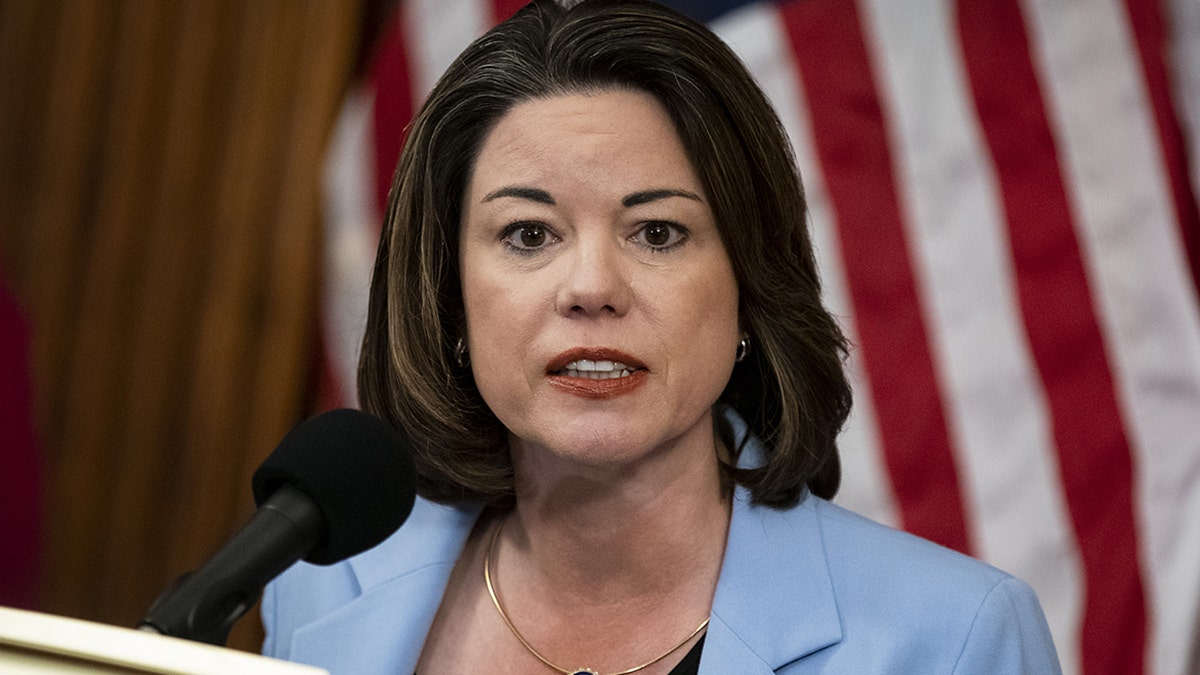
x=743 y=349
x=460 y=353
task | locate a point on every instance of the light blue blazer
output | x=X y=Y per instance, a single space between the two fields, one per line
x=812 y=589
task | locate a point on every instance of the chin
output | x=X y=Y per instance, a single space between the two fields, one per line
x=604 y=448
x=600 y=450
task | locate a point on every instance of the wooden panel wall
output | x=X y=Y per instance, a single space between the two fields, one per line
x=159 y=221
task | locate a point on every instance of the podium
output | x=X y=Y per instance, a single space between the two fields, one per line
x=36 y=644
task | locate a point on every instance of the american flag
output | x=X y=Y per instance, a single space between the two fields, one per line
x=1003 y=195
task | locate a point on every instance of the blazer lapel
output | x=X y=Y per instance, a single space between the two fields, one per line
x=775 y=601
x=401 y=582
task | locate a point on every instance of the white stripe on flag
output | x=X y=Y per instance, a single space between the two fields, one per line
x=756 y=34
x=1147 y=306
x=351 y=234
x=436 y=32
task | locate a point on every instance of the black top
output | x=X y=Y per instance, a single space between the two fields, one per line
x=690 y=665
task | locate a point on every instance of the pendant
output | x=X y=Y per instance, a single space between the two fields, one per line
x=584 y=671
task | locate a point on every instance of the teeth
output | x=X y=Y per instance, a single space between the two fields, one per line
x=588 y=366
x=596 y=370
x=596 y=374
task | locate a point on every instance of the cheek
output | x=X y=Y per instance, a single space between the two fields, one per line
x=474 y=291
x=484 y=304
x=718 y=300
x=498 y=330
x=706 y=328
x=485 y=296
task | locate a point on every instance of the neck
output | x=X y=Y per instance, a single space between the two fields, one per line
x=612 y=535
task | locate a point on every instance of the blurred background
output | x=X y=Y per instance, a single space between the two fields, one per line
x=1003 y=197
x=160 y=199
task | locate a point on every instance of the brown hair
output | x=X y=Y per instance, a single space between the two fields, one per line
x=791 y=389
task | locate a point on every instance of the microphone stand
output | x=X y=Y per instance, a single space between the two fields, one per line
x=203 y=605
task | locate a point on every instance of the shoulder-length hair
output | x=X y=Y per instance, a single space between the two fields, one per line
x=791 y=389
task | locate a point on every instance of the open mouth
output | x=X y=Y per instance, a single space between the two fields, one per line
x=596 y=370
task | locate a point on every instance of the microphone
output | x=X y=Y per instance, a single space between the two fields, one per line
x=336 y=485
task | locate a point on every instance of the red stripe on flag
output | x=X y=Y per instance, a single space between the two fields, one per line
x=503 y=9
x=852 y=146
x=1149 y=31
x=391 y=80
x=1064 y=336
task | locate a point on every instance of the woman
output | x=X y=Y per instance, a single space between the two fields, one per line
x=595 y=311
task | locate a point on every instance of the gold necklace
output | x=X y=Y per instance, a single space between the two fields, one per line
x=487 y=579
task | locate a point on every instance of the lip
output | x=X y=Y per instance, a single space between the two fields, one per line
x=588 y=388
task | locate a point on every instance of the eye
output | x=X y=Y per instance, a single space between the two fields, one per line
x=660 y=235
x=527 y=236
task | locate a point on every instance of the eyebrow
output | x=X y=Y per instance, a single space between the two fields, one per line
x=532 y=194
x=635 y=199
x=647 y=196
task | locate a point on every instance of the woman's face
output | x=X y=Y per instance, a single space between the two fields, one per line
x=601 y=307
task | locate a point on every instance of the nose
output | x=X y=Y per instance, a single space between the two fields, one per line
x=595 y=281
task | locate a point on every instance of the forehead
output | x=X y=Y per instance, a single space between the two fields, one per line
x=615 y=136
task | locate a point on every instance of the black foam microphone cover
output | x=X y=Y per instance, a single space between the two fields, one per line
x=357 y=469
x=335 y=486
